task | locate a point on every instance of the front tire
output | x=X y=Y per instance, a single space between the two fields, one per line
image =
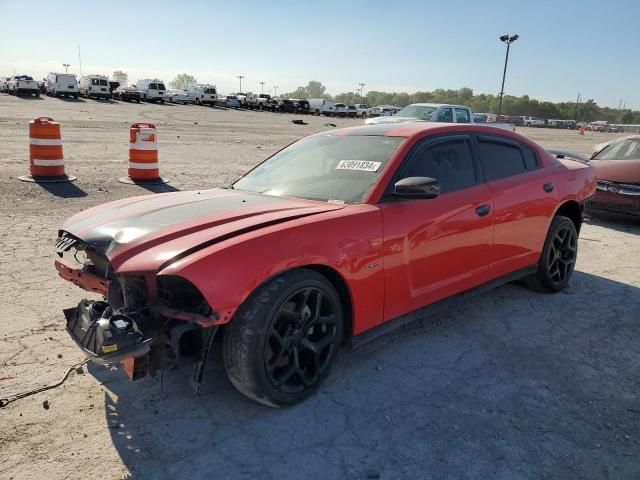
x=283 y=340
x=558 y=257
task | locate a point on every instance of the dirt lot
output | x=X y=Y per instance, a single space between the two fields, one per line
x=509 y=385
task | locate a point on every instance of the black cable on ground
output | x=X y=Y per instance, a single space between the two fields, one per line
x=6 y=401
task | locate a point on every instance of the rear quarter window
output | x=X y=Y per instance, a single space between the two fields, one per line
x=501 y=160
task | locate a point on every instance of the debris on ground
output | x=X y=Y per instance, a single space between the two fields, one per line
x=329 y=124
x=45 y=404
x=299 y=122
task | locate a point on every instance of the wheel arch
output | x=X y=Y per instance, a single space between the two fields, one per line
x=573 y=210
x=337 y=281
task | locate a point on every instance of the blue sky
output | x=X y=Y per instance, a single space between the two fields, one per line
x=565 y=47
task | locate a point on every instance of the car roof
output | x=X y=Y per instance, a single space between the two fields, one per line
x=412 y=129
x=436 y=105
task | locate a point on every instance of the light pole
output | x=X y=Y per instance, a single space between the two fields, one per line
x=240 y=77
x=361 y=90
x=262 y=87
x=508 y=39
x=275 y=90
x=66 y=66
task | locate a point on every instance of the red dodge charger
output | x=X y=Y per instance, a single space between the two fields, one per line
x=334 y=239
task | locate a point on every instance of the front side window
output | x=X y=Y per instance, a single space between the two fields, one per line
x=500 y=159
x=153 y=86
x=449 y=162
x=622 y=150
x=445 y=115
x=95 y=81
x=463 y=115
x=326 y=168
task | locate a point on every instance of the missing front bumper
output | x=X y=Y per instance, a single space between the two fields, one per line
x=105 y=336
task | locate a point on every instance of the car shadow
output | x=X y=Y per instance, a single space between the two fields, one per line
x=30 y=97
x=614 y=221
x=71 y=99
x=63 y=189
x=508 y=384
x=159 y=187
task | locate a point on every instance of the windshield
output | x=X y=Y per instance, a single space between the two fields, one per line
x=326 y=168
x=210 y=90
x=621 y=150
x=422 y=112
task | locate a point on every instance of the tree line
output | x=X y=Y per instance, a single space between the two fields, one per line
x=587 y=111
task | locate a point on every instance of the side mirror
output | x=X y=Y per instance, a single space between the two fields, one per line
x=417 y=187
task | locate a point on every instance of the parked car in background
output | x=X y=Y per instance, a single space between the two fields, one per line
x=617 y=167
x=598 y=126
x=152 y=90
x=4 y=84
x=242 y=99
x=532 y=122
x=427 y=112
x=328 y=241
x=258 y=101
x=362 y=110
x=20 y=85
x=231 y=101
x=177 y=96
x=352 y=111
x=203 y=94
x=340 y=110
x=62 y=85
x=485 y=118
x=94 y=86
x=113 y=85
x=321 y=106
x=302 y=105
x=616 y=128
x=127 y=94
x=285 y=105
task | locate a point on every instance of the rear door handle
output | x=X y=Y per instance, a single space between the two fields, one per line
x=548 y=187
x=483 y=210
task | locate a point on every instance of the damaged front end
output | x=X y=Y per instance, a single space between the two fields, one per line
x=145 y=321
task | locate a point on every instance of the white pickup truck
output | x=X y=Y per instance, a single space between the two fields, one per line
x=258 y=101
x=433 y=112
x=23 y=85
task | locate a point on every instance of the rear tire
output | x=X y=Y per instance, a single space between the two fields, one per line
x=283 y=340
x=558 y=257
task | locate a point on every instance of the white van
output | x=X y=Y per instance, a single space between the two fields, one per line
x=151 y=90
x=62 y=85
x=94 y=86
x=320 y=106
x=202 y=94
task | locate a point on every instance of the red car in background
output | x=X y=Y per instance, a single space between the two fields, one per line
x=617 y=166
x=336 y=238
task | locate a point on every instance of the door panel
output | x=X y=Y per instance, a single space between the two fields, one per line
x=524 y=201
x=434 y=248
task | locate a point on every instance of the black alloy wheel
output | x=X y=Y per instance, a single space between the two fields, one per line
x=562 y=255
x=300 y=340
x=281 y=343
x=558 y=258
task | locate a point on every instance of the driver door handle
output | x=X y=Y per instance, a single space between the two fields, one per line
x=483 y=210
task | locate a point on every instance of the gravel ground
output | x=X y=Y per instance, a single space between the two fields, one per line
x=508 y=385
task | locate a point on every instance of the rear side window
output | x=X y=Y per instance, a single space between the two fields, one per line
x=445 y=115
x=153 y=86
x=449 y=162
x=500 y=159
x=161 y=86
x=462 y=115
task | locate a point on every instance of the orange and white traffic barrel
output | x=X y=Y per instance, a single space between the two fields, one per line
x=143 y=154
x=46 y=160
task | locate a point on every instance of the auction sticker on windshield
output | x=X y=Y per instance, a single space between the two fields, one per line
x=358 y=165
